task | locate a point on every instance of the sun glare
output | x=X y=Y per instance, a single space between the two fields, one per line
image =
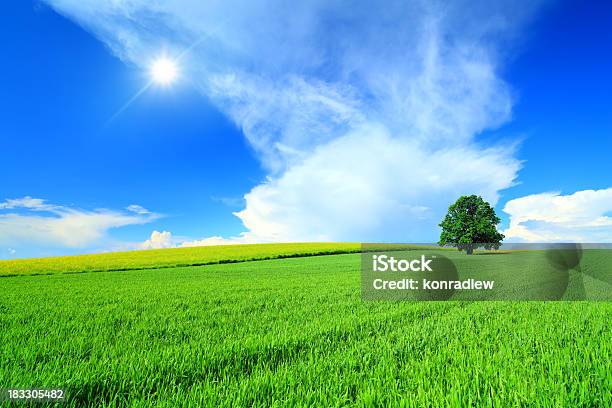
x=163 y=71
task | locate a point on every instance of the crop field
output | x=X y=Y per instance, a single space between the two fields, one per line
x=292 y=331
x=159 y=258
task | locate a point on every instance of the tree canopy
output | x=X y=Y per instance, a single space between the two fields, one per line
x=470 y=223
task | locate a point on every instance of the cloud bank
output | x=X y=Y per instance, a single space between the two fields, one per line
x=158 y=240
x=584 y=216
x=27 y=220
x=366 y=117
x=165 y=239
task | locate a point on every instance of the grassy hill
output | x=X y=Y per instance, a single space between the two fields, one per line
x=292 y=331
x=170 y=257
x=174 y=257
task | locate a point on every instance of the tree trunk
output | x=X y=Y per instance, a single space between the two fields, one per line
x=469 y=250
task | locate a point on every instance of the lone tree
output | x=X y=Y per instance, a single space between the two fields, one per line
x=470 y=223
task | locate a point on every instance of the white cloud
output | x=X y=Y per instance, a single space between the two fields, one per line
x=27 y=202
x=59 y=225
x=548 y=217
x=365 y=117
x=215 y=240
x=138 y=209
x=379 y=188
x=165 y=239
x=158 y=240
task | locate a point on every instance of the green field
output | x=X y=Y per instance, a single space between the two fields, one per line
x=172 y=257
x=291 y=331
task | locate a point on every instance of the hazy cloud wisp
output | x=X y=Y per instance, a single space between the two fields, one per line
x=365 y=117
x=27 y=220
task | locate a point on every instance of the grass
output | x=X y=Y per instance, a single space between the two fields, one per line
x=175 y=257
x=517 y=275
x=172 y=257
x=293 y=331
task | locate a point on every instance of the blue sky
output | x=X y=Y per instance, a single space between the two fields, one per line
x=289 y=123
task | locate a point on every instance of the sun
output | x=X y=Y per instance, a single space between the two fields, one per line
x=163 y=71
